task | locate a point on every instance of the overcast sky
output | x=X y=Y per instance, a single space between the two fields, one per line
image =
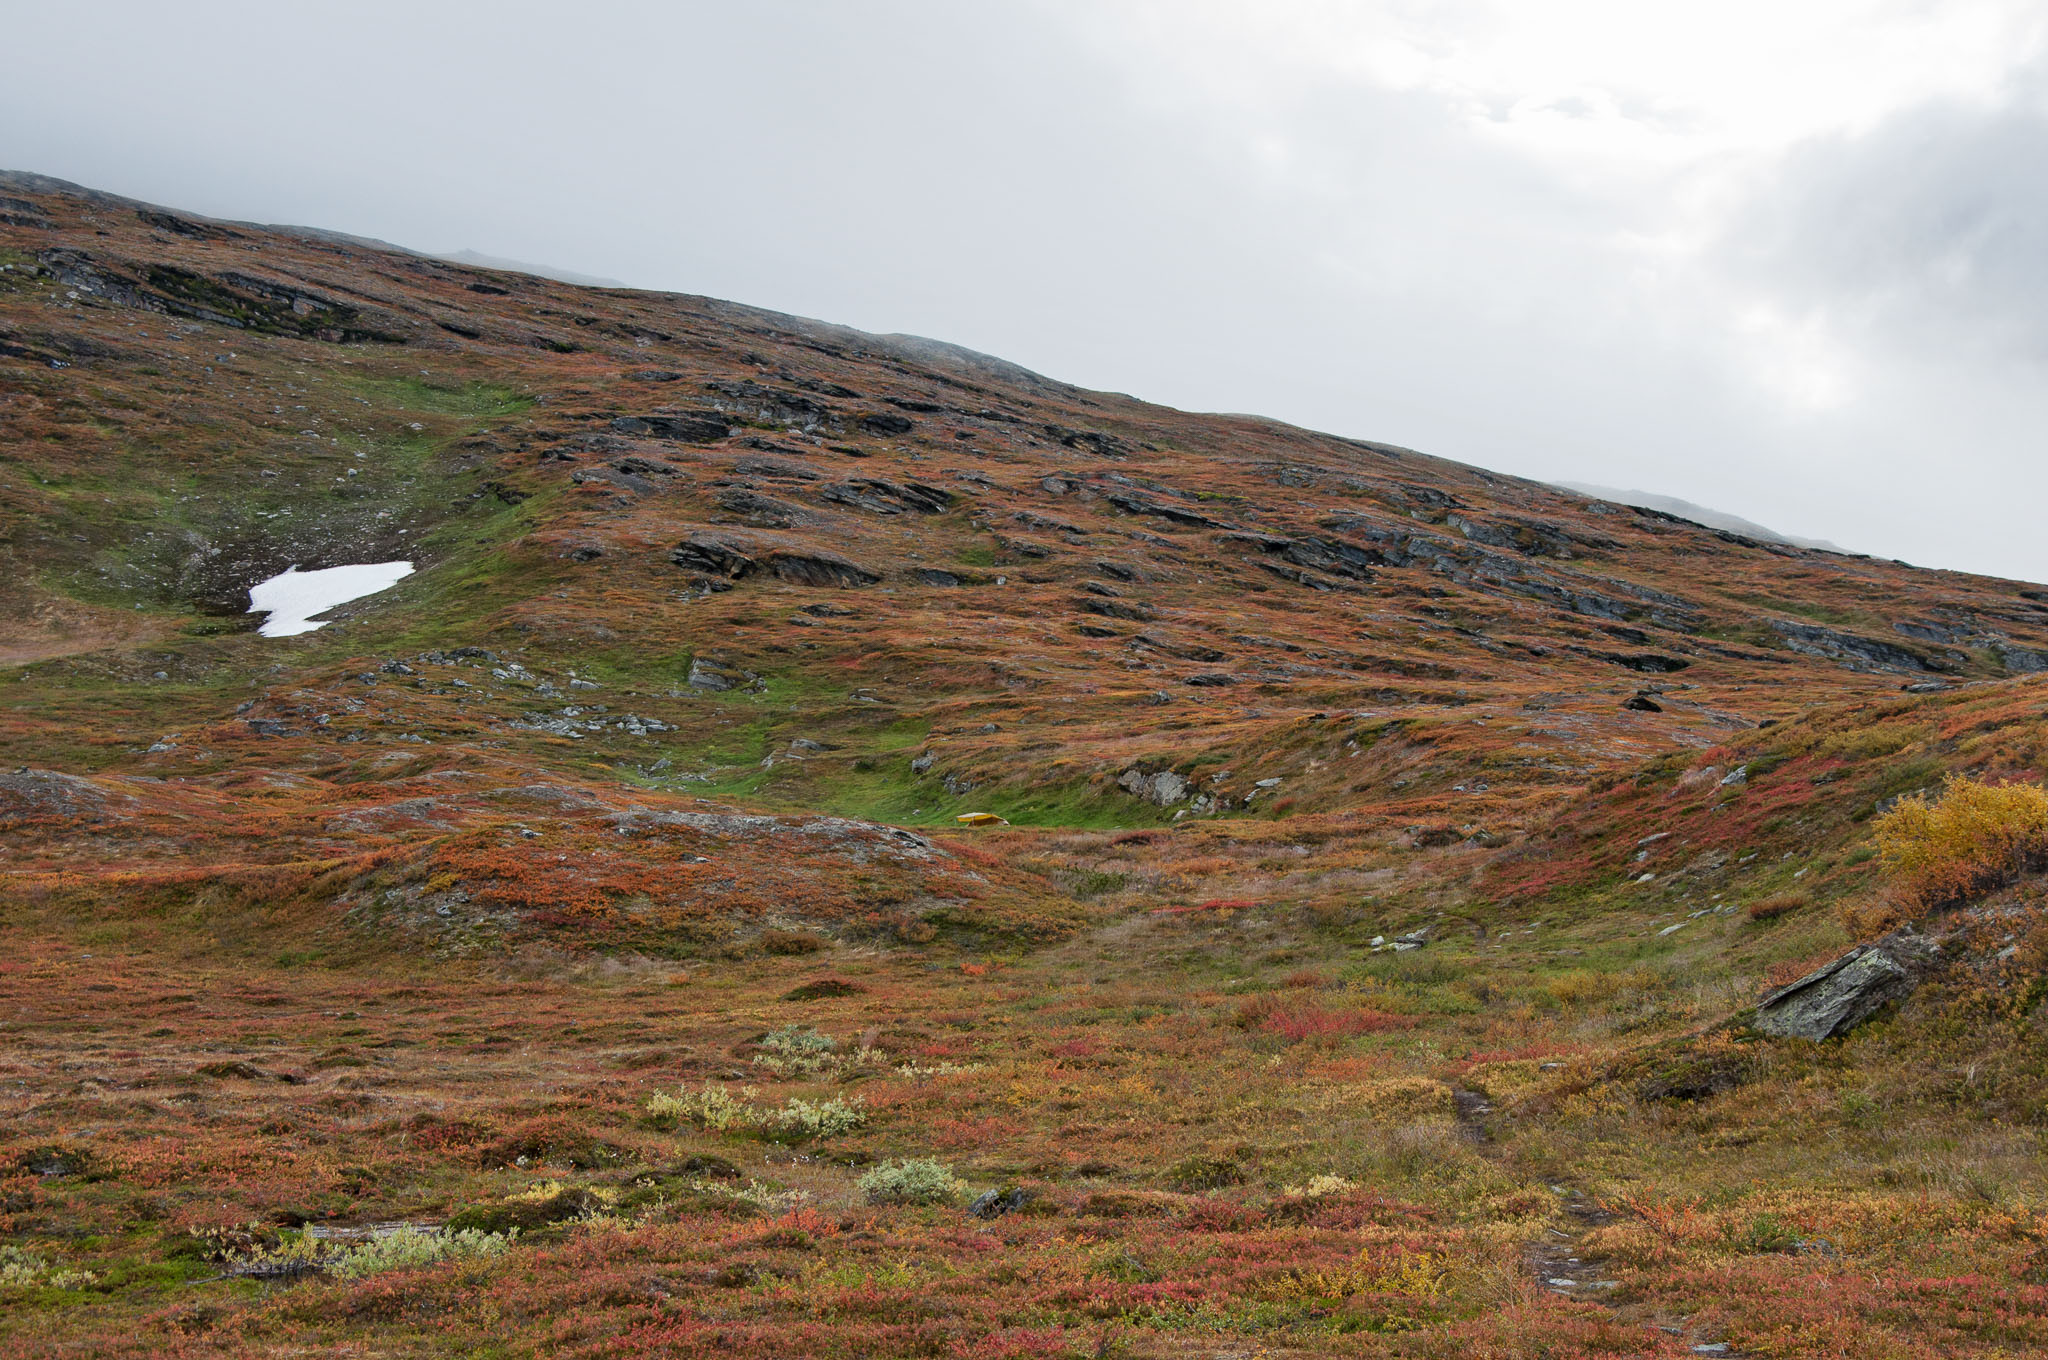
x=1788 y=260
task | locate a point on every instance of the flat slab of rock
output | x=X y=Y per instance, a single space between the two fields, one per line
x=1842 y=994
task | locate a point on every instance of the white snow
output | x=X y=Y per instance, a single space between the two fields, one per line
x=293 y=597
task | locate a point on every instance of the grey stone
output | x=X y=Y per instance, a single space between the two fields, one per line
x=1163 y=789
x=712 y=676
x=1841 y=995
x=996 y=1203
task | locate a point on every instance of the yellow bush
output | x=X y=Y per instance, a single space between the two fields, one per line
x=1868 y=743
x=1415 y=1275
x=1973 y=838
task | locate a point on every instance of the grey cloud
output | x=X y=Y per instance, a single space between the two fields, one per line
x=1928 y=232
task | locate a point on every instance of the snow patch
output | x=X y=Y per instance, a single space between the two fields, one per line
x=293 y=597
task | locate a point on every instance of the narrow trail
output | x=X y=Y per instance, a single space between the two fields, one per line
x=1557 y=1260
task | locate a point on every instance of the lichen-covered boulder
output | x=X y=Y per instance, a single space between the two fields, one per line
x=1842 y=994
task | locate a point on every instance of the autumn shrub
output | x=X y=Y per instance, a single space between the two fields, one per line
x=527 y=1213
x=551 y=1138
x=1192 y=1174
x=1788 y=971
x=1973 y=838
x=1294 y=1020
x=1417 y=1275
x=914 y=1180
x=789 y=943
x=819 y=989
x=1778 y=904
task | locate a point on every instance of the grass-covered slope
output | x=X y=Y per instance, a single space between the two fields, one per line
x=1396 y=855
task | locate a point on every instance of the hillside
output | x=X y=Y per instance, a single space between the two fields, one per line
x=1378 y=907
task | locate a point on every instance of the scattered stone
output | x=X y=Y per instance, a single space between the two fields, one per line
x=1642 y=703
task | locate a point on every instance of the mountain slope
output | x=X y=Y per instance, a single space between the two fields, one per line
x=1377 y=824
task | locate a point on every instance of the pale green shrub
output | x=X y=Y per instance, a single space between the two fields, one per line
x=22 y=1269
x=918 y=1071
x=799 y=1118
x=1321 y=1187
x=915 y=1180
x=796 y=1053
x=401 y=1250
x=713 y=1108
x=716 y=1108
x=414 y=1247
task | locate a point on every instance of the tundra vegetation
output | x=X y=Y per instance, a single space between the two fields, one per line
x=572 y=951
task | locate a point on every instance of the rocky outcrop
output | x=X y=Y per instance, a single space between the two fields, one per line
x=887 y=498
x=29 y=794
x=751 y=401
x=885 y=423
x=1857 y=653
x=684 y=429
x=1133 y=503
x=804 y=566
x=766 y=511
x=1841 y=995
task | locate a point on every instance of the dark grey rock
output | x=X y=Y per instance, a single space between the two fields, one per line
x=683 y=429
x=996 y=1203
x=1857 y=653
x=767 y=511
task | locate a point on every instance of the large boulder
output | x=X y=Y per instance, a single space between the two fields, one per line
x=1842 y=994
x=1164 y=788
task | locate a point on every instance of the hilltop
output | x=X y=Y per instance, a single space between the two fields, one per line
x=1395 y=850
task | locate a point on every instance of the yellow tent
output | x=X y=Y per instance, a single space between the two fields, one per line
x=980 y=819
